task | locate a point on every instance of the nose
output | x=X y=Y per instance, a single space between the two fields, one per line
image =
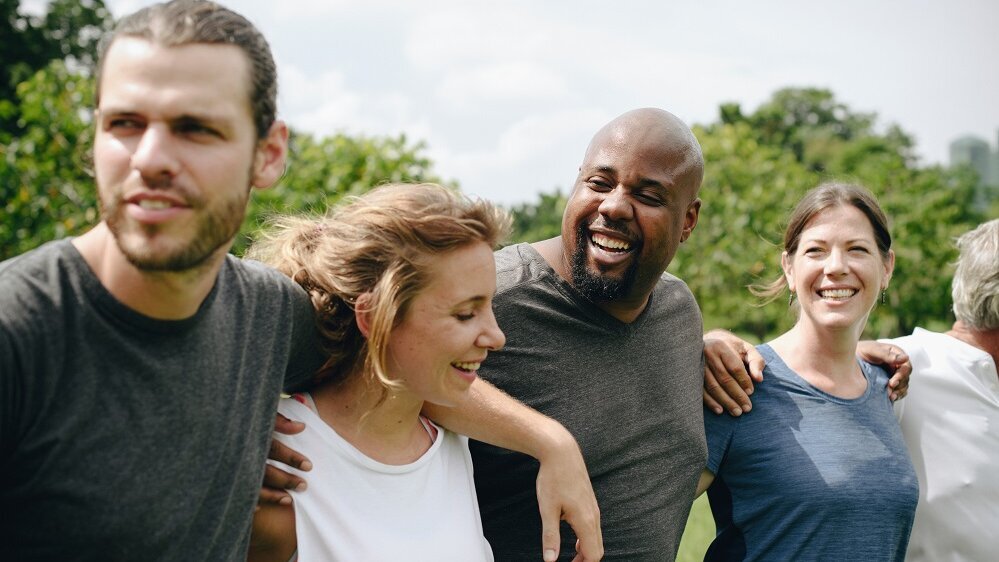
x=616 y=205
x=154 y=157
x=836 y=263
x=491 y=337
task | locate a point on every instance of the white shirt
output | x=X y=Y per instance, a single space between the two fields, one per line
x=950 y=421
x=358 y=509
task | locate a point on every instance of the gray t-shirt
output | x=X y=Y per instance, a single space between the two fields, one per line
x=810 y=476
x=629 y=393
x=123 y=437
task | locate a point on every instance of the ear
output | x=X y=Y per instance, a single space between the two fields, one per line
x=889 y=268
x=785 y=264
x=362 y=314
x=690 y=219
x=270 y=156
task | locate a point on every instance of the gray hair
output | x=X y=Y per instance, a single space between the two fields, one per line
x=976 y=282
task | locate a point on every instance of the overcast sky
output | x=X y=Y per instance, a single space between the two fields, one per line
x=507 y=94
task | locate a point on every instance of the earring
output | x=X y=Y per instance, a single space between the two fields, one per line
x=883 y=298
x=790 y=299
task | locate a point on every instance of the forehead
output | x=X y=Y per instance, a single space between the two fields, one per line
x=464 y=273
x=840 y=221
x=142 y=76
x=642 y=153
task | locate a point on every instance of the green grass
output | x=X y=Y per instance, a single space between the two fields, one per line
x=699 y=532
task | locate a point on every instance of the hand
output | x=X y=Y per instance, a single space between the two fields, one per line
x=565 y=492
x=276 y=481
x=730 y=367
x=893 y=359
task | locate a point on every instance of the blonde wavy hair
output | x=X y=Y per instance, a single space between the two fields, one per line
x=382 y=244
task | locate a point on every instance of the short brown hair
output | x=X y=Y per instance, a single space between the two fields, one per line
x=382 y=243
x=183 y=22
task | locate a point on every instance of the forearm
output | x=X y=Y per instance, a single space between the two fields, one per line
x=490 y=415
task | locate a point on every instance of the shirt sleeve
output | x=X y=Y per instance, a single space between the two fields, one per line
x=718 y=429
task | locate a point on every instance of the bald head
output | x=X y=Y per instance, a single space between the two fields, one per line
x=634 y=202
x=658 y=134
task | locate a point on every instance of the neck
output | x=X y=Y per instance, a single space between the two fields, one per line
x=626 y=310
x=827 y=359
x=389 y=432
x=162 y=295
x=987 y=341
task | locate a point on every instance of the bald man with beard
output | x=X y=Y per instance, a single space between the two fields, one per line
x=600 y=338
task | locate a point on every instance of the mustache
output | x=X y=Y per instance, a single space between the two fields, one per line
x=619 y=227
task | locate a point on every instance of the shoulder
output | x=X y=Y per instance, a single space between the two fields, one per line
x=34 y=283
x=672 y=299
x=516 y=265
x=257 y=278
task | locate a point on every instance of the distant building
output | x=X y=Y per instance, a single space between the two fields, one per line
x=977 y=154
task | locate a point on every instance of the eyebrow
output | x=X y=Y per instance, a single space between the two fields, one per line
x=642 y=182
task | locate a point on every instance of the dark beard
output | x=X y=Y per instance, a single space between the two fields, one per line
x=592 y=285
x=214 y=230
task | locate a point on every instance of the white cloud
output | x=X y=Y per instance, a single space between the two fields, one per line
x=515 y=80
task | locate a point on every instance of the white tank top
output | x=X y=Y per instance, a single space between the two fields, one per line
x=358 y=509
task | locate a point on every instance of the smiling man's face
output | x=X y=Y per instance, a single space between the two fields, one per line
x=634 y=201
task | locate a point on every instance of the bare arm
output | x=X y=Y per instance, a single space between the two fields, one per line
x=731 y=365
x=563 y=485
x=704 y=481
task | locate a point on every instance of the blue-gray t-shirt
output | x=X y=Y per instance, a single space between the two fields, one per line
x=809 y=476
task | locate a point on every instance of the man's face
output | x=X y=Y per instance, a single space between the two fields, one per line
x=175 y=150
x=629 y=210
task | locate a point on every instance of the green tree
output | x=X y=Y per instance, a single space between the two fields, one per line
x=69 y=31
x=538 y=221
x=321 y=172
x=45 y=182
x=759 y=165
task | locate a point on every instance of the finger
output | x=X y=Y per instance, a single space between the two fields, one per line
x=726 y=391
x=277 y=479
x=550 y=537
x=275 y=497
x=285 y=454
x=579 y=555
x=287 y=426
x=726 y=364
x=711 y=404
x=589 y=541
x=756 y=364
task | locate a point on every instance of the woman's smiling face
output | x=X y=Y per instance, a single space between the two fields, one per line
x=837 y=271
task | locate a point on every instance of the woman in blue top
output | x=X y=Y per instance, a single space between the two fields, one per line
x=818 y=470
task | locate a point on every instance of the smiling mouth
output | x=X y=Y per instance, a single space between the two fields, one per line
x=466 y=366
x=837 y=294
x=609 y=244
x=154 y=204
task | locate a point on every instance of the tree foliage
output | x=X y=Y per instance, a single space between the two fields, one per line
x=69 y=31
x=322 y=171
x=757 y=167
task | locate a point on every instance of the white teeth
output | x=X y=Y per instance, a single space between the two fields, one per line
x=837 y=293
x=611 y=243
x=467 y=366
x=154 y=204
